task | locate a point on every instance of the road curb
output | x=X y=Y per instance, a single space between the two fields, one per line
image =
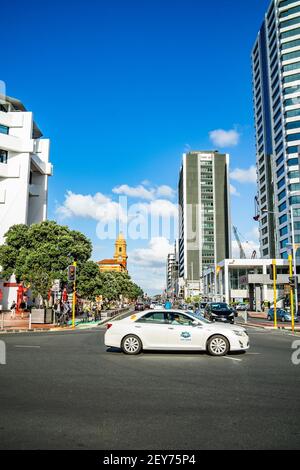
x=268 y=328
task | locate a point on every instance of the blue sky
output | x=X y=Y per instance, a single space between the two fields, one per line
x=123 y=88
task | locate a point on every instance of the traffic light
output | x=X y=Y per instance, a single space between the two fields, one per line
x=72 y=273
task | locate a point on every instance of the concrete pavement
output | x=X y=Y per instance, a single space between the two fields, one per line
x=66 y=391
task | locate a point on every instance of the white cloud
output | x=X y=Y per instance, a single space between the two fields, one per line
x=97 y=207
x=148 y=265
x=253 y=234
x=141 y=192
x=222 y=138
x=233 y=191
x=249 y=248
x=136 y=192
x=152 y=280
x=244 y=175
x=154 y=256
x=165 y=191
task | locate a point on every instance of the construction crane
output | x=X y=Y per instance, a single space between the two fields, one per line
x=242 y=252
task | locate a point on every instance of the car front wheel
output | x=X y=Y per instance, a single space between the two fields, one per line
x=218 y=346
x=131 y=345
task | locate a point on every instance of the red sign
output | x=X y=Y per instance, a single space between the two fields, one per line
x=1 y=295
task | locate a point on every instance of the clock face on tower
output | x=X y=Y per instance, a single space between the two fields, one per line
x=120 y=258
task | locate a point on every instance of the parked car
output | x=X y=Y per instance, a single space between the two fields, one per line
x=139 y=307
x=282 y=315
x=219 y=311
x=241 y=307
x=174 y=330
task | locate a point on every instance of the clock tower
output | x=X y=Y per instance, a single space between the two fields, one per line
x=121 y=251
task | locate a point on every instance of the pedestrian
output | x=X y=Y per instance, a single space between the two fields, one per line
x=57 y=310
x=22 y=308
x=13 y=310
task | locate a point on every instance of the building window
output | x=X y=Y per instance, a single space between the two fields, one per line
x=294 y=187
x=286 y=24
x=292 y=125
x=4 y=129
x=281 y=195
x=284 y=231
x=280 y=172
x=293 y=162
x=3 y=156
x=282 y=219
x=293 y=137
x=282 y=207
x=294 y=200
x=265 y=252
x=284 y=243
x=292 y=113
x=293 y=174
x=281 y=183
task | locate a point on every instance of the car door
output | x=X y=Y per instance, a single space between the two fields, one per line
x=152 y=328
x=183 y=334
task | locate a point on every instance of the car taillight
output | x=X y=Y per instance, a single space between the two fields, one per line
x=109 y=325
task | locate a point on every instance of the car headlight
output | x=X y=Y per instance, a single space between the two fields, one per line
x=239 y=333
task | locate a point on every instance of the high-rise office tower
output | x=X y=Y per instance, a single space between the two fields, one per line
x=276 y=90
x=204 y=218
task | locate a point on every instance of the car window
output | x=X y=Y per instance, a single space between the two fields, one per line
x=179 y=319
x=219 y=306
x=153 y=317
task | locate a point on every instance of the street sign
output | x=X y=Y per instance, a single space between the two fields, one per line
x=56 y=286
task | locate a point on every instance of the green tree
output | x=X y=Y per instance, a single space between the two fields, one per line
x=111 y=285
x=41 y=253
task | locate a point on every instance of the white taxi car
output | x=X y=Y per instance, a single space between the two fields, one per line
x=174 y=330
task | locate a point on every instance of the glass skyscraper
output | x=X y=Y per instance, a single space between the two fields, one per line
x=276 y=90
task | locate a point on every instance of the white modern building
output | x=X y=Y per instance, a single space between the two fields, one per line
x=276 y=94
x=246 y=280
x=24 y=169
x=204 y=216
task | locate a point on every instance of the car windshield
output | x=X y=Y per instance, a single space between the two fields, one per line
x=199 y=317
x=220 y=306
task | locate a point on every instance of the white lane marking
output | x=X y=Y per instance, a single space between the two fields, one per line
x=232 y=358
x=29 y=347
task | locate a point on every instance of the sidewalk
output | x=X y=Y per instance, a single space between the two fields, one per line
x=19 y=325
x=259 y=320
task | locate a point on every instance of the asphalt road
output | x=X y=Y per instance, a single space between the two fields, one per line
x=65 y=391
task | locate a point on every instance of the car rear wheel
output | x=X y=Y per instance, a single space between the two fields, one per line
x=131 y=345
x=218 y=346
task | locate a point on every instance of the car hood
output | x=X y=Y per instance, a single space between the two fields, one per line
x=225 y=327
